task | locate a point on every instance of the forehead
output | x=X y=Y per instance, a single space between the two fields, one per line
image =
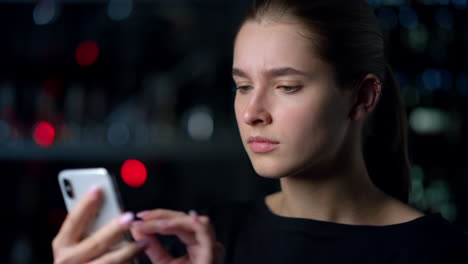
x=270 y=44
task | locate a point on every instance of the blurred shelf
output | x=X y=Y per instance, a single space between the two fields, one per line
x=187 y=151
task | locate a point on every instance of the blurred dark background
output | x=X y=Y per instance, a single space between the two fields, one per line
x=96 y=83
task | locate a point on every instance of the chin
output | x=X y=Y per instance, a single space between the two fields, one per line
x=269 y=174
x=271 y=169
x=278 y=173
x=279 y=167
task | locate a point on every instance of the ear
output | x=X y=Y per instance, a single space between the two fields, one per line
x=365 y=97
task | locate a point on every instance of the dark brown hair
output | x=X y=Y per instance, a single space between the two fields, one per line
x=350 y=39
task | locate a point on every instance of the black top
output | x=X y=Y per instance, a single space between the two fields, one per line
x=251 y=233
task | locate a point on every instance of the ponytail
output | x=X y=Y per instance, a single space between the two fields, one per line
x=385 y=145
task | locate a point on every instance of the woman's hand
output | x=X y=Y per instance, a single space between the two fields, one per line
x=70 y=247
x=193 y=230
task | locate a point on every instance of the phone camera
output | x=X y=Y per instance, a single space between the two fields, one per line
x=68 y=188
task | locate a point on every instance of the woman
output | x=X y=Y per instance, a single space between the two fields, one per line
x=318 y=108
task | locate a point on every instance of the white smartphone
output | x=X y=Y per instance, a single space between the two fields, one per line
x=75 y=183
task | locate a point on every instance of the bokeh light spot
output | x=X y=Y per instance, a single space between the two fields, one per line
x=44 y=12
x=133 y=173
x=430 y=121
x=119 y=9
x=44 y=134
x=417 y=38
x=118 y=134
x=87 y=53
x=200 y=124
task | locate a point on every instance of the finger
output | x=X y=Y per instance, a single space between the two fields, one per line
x=183 y=227
x=203 y=240
x=206 y=223
x=104 y=238
x=193 y=230
x=186 y=235
x=159 y=213
x=78 y=219
x=204 y=234
x=155 y=250
x=122 y=255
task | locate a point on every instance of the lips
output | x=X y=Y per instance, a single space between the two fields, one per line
x=262 y=144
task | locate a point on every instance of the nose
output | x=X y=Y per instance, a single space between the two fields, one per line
x=256 y=111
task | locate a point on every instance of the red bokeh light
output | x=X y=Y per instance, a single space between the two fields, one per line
x=87 y=53
x=44 y=134
x=133 y=173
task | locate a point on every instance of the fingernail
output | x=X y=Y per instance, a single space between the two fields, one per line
x=143 y=243
x=93 y=191
x=143 y=214
x=137 y=223
x=126 y=219
x=193 y=214
x=162 y=223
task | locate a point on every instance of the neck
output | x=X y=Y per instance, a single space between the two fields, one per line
x=345 y=194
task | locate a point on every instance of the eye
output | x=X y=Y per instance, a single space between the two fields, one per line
x=290 y=89
x=244 y=88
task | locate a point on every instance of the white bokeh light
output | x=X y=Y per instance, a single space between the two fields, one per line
x=200 y=124
x=119 y=9
x=44 y=12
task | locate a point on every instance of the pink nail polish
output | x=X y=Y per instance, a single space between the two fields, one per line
x=137 y=223
x=194 y=215
x=142 y=214
x=126 y=219
x=93 y=191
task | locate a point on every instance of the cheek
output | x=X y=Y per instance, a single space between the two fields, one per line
x=298 y=123
x=310 y=125
x=238 y=108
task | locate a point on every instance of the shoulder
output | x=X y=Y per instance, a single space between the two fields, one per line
x=428 y=234
x=434 y=237
x=393 y=211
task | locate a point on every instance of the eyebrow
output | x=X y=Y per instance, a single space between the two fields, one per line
x=275 y=72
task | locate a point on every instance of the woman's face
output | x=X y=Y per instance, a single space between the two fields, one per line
x=290 y=112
